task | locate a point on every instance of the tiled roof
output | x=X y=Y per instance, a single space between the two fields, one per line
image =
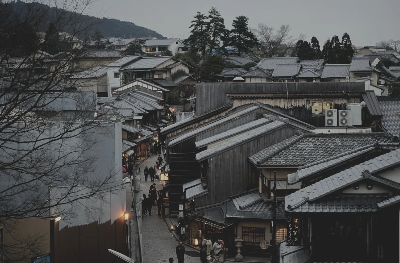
x=372 y=103
x=160 y=42
x=146 y=63
x=286 y=70
x=300 y=200
x=248 y=205
x=122 y=104
x=312 y=64
x=144 y=101
x=194 y=189
x=231 y=72
x=344 y=204
x=195 y=119
x=390 y=116
x=238 y=61
x=309 y=73
x=242 y=138
x=93 y=72
x=165 y=83
x=102 y=53
x=390 y=201
x=257 y=72
x=212 y=125
x=262 y=155
x=271 y=63
x=180 y=79
x=321 y=165
x=126 y=145
x=122 y=61
x=302 y=150
x=336 y=71
x=360 y=64
x=232 y=132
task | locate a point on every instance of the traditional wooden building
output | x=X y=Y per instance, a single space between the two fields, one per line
x=352 y=215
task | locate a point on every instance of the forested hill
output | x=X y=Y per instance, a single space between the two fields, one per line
x=108 y=27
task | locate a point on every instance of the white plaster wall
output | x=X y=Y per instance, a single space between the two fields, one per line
x=393 y=175
x=377 y=189
x=111 y=81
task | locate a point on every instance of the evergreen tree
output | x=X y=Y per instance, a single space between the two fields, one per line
x=51 y=40
x=327 y=52
x=97 y=36
x=303 y=50
x=316 y=48
x=347 y=50
x=336 y=50
x=216 y=30
x=211 y=67
x=242 y=38
x=199 y=37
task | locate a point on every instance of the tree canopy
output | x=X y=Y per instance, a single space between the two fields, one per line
x=241 y=37
x=336 y=52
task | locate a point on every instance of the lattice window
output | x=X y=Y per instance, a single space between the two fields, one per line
x=253 y=234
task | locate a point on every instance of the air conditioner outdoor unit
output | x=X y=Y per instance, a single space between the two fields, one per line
x=345 y=118
x=356 y=117
x=331 y=118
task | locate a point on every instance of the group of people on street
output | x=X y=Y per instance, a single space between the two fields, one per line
x=209 y=253
x=149 y=172
x=152 y=199
x=212 y=253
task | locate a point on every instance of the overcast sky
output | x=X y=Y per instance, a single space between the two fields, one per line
x=366 y=21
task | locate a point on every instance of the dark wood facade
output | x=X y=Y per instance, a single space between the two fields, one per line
x=210 y=96
x=228 y=172
x=90 y=243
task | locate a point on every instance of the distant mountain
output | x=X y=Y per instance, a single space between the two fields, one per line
x=108 y=27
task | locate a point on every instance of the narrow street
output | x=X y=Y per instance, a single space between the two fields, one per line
x=158 y=242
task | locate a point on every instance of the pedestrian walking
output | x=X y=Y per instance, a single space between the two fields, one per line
x=152 y=172
x=159 y=203
x=153 y=195
x=203 y=253
x=146 y=173
x=149 y=205
x=180 y=253
x=144 y=205
x=217 y=251
x=159 y=160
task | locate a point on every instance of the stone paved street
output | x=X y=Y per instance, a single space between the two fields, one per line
x=158 y=242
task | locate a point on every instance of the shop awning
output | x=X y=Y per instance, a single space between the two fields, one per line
x=130 y=152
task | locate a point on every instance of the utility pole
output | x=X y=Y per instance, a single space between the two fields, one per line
x=274 y=258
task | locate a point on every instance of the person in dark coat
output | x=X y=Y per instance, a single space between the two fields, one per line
x=152 y=172
x=159 y=160
x=153 y=195
x=180 y=253
x=203 y=254
x=146 y=173
x=149 y=205
x=144 y=205
x=159 y=203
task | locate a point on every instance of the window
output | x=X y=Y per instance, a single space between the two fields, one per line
x=253 y=234
x=116 y=75
x=281 y=232
x=319 y=107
